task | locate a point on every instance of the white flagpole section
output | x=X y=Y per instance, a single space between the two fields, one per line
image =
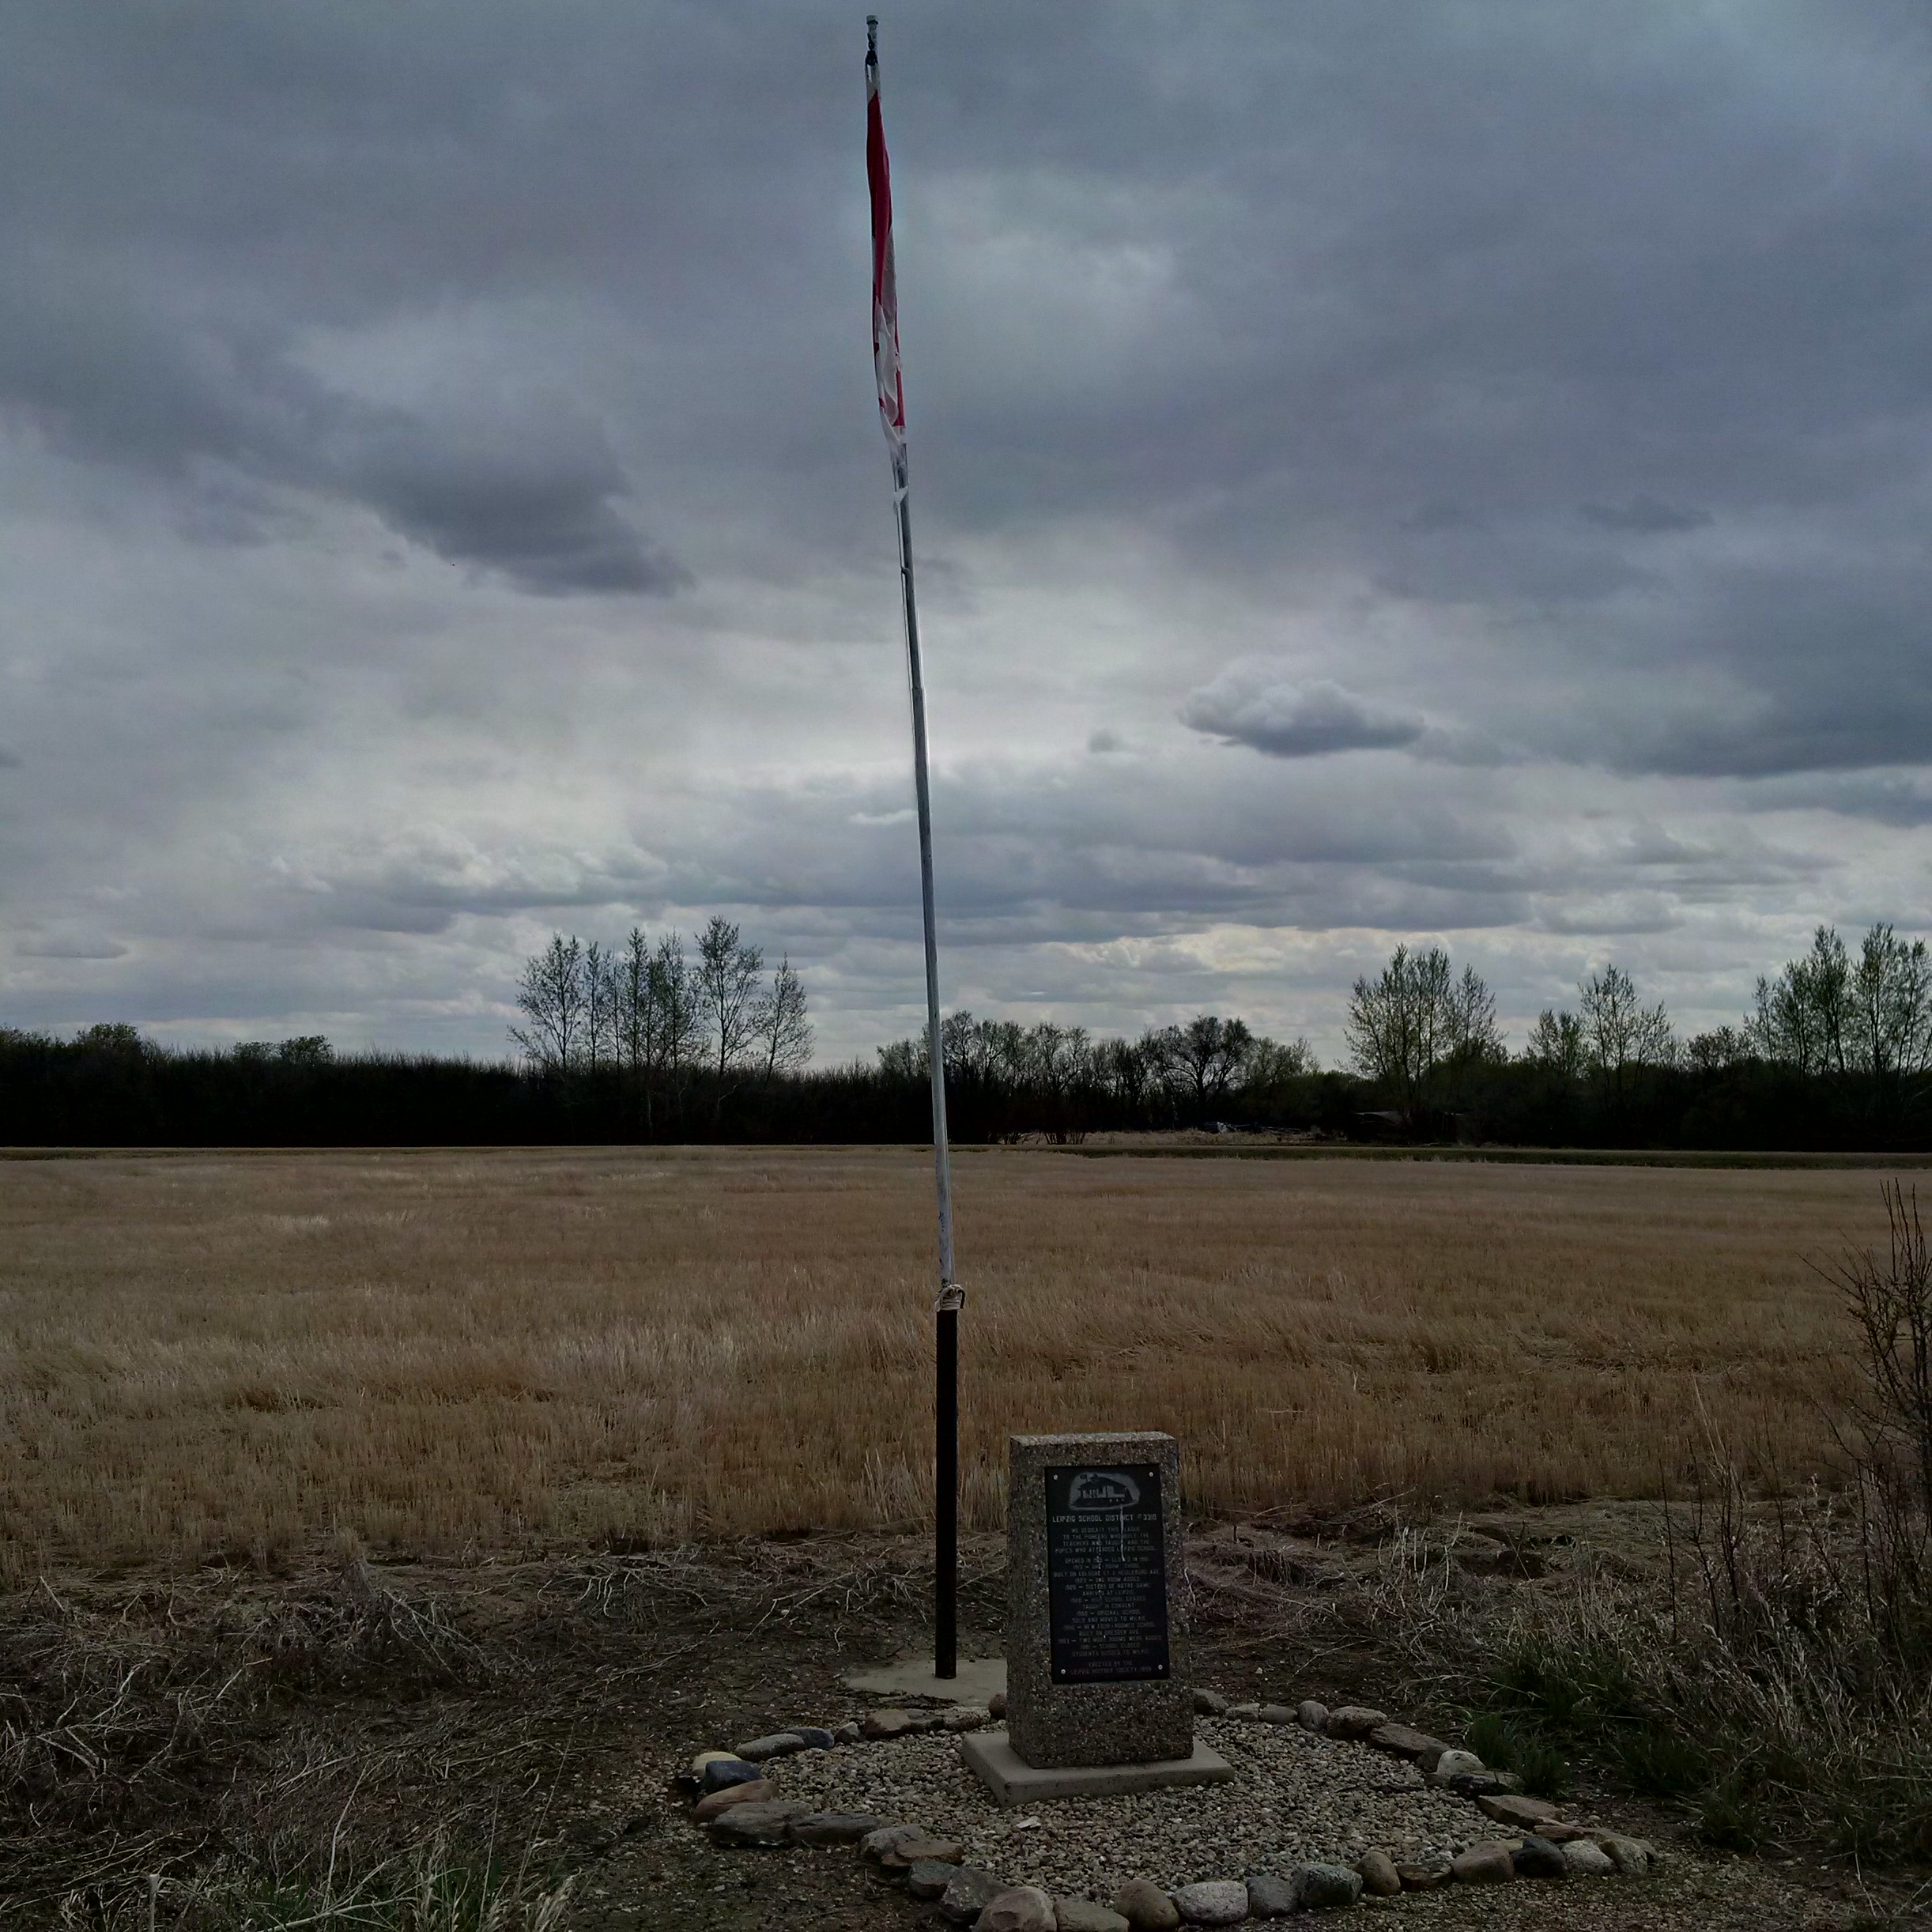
x=950 y=1293
x=951 y=1297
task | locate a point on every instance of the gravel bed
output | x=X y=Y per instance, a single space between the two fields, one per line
x=1295 y=1798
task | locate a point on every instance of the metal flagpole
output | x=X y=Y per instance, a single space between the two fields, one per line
x=951 y=1297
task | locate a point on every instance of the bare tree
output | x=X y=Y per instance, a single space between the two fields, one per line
x=672 y=1020
x=1803 y=1018
x=1207 y=1057
x=633 y=1018
x=1620 y=1033
x=551 y=996
x=1556 y=1042
x=600 y=1006
x=1721 y=1047
x=1415 y=1017
x=1128 y=1071
x=728 y=971
x=1891 y=1027
x=778 y=1022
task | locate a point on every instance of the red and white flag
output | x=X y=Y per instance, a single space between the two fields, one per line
x=884 y=283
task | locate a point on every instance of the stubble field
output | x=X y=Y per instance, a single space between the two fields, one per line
x=250 y=1356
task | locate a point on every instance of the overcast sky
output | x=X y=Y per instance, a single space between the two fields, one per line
x=1449 y=471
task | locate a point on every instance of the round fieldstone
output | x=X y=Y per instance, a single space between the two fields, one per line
x=1024 y=1908
x=833 y=1827
x=1537 y=1857
x=1146 y=1907
x=1424 y=1875
x=1277 y=1713
x=756 y=1791
x=708 y=1757
x=1212 y=1902
x=1380 y=1876
x=1243 y=1710
x=1269 y=1897
x=927 y=1878
x=780 y=1743
x=813 y=1737
x=763 y=1825
x=874 y=1845
x=878 y=1724
x=968 y=1893
x=1328 y=1887
x=1084 y=1915
x=1586 y=1860
x=1311 y=1714
x=1454 y=1764
x=1209 y=1703
x=1631 y=1856
x=847 y=1733
x=1484 y=1865
x=965 y=1717
x=721 y=1771
x=996 y=1705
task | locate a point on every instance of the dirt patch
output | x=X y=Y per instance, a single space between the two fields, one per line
x=525 y=1719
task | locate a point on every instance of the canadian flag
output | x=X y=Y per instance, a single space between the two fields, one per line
x=884 y=283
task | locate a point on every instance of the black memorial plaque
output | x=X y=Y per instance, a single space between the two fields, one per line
x=1107 y=1574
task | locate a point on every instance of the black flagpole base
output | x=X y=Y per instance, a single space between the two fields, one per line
x=945 y=1500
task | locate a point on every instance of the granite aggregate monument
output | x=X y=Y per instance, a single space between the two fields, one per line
x=1097 y=1697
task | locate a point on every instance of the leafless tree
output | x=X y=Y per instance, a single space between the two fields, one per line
x=1891 y=1026
x=1556 y=1043
x=551 y=996
x=1205 y=1058
x=672 y=1023
x=1619 y=1031
x=1721 y=1047
x=1804 y=1017
x=600 y=1006
x=1417 y=1017
x=728 y=972
x=633 y=1018
x=779 y=1024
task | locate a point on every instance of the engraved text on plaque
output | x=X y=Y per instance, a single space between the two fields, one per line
x=1106 y=1587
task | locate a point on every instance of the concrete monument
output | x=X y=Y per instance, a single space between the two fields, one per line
x=1097 y=1696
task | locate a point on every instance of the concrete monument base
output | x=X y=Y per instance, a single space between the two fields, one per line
x=1013 y=1782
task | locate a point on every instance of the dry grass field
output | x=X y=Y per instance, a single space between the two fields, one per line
x=437 y=1353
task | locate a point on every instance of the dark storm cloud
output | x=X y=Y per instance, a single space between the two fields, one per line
x=220 y=412
x=1255 y=704
x=546 y=518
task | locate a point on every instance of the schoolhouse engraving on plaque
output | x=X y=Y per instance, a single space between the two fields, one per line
x=1107 y=1574
x=1097 y=1698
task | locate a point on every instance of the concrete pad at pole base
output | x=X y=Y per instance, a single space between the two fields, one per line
x=912 y=1676
x=1012 y=1781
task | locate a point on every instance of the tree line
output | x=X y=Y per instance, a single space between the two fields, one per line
x=660 y=1021
x=1005 y=1081
x=664 y=1041
x=1836 y=1049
